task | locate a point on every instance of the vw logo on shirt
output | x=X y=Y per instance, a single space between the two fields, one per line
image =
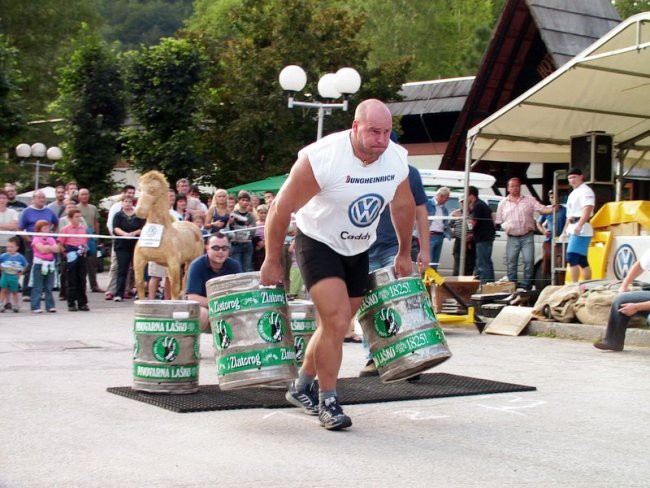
x=624 y=258
x=366 y=209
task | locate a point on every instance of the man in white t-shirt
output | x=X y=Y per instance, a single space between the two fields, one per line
x=625 y=306
x=339 y=187
x=579 y=209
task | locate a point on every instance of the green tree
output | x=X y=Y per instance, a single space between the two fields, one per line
x=251 y=132
x=12 y=121
x=164 y=82
x=91 y=98
x=627 y=8
x=134 y=22
x=42 y=31
x=435 y=33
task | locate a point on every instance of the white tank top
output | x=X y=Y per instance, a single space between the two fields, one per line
x=344 y=214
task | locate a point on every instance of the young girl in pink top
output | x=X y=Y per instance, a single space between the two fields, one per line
x=44 y=247
x=75 y=267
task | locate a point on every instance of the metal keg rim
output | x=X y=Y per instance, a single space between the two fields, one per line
x=147 y=301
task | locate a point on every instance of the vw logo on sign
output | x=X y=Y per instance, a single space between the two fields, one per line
x=365 y=210
x=624 y=258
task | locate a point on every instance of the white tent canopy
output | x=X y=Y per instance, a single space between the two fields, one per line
x=604 y=88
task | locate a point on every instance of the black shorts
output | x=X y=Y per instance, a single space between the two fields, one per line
x=318 y=261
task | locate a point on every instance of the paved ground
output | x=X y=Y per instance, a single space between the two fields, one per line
x=587 y=425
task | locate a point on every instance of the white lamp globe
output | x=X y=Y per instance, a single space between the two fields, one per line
x=327 y=86
x=23 y=150
x=293 y=78
x=54 y=153
x=347 y=81
x=38 y=149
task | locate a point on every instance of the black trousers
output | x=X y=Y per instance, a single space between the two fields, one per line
x=470 y=258
x=124 y=258
x=75 y=272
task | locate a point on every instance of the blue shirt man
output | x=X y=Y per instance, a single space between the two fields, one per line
x=215 y=262
x=383 y=250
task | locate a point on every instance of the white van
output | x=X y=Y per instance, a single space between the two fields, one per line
x=455 y=181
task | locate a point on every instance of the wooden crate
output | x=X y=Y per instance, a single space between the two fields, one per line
x=465 y=286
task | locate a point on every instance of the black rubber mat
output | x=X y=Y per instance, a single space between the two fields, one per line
x=350 y=390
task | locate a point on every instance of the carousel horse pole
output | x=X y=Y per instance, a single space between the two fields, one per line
x=180 y=244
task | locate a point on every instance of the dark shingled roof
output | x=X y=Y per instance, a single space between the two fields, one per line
x=428 y=97
x=567 y=27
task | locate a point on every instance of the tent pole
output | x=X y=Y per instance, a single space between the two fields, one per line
x=463 y=239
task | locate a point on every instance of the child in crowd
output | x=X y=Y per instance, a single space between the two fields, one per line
x=259 y=250
x=75 y=249
x=198 y=219
x=45 y=248
x=295 y=282
x=13 y=265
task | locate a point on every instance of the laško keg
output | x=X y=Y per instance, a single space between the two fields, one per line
x=302 y=315
x=251 y=333
x=166 y=352
x=400 y=326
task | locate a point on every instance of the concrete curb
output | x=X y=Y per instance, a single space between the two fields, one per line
x=585 y=332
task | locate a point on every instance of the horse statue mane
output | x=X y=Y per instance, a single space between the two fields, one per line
x=180 y=243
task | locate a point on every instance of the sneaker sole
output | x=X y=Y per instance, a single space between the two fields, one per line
x=296 y=403
x=343 y=424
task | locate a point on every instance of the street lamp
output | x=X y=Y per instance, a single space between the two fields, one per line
x=345 y=82
x=38 y=151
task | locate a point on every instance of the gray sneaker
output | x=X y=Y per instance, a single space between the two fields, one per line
x=331 y=415
x=307 y=399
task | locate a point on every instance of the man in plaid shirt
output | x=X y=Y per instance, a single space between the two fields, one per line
x=515 y=213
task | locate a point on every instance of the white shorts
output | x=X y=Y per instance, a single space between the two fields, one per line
x=156 y=270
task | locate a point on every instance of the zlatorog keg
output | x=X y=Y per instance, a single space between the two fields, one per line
x=166 y=355
x=401 y=328
x=250 y=330
x=303 y=326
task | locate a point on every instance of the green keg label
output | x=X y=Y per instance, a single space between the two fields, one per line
x=167 y=326
x=401 y=289
x=387 y=322
x=136 y=348
x=408 y=345
x=197 y=350
x=165 y=349
x=303 y=325
x=299 y=346
x=250 y=300
x=222 y=333
x=428 y=309
x=271 y=326
x=165 y=372
x=257 y=359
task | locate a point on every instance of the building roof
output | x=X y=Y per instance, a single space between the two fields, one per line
x=569 y=27
x=436 y=96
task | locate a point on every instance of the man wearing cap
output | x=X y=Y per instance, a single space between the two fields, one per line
x=580 y=207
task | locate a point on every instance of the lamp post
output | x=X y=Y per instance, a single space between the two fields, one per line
x=38 y=151
x=345 y=82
